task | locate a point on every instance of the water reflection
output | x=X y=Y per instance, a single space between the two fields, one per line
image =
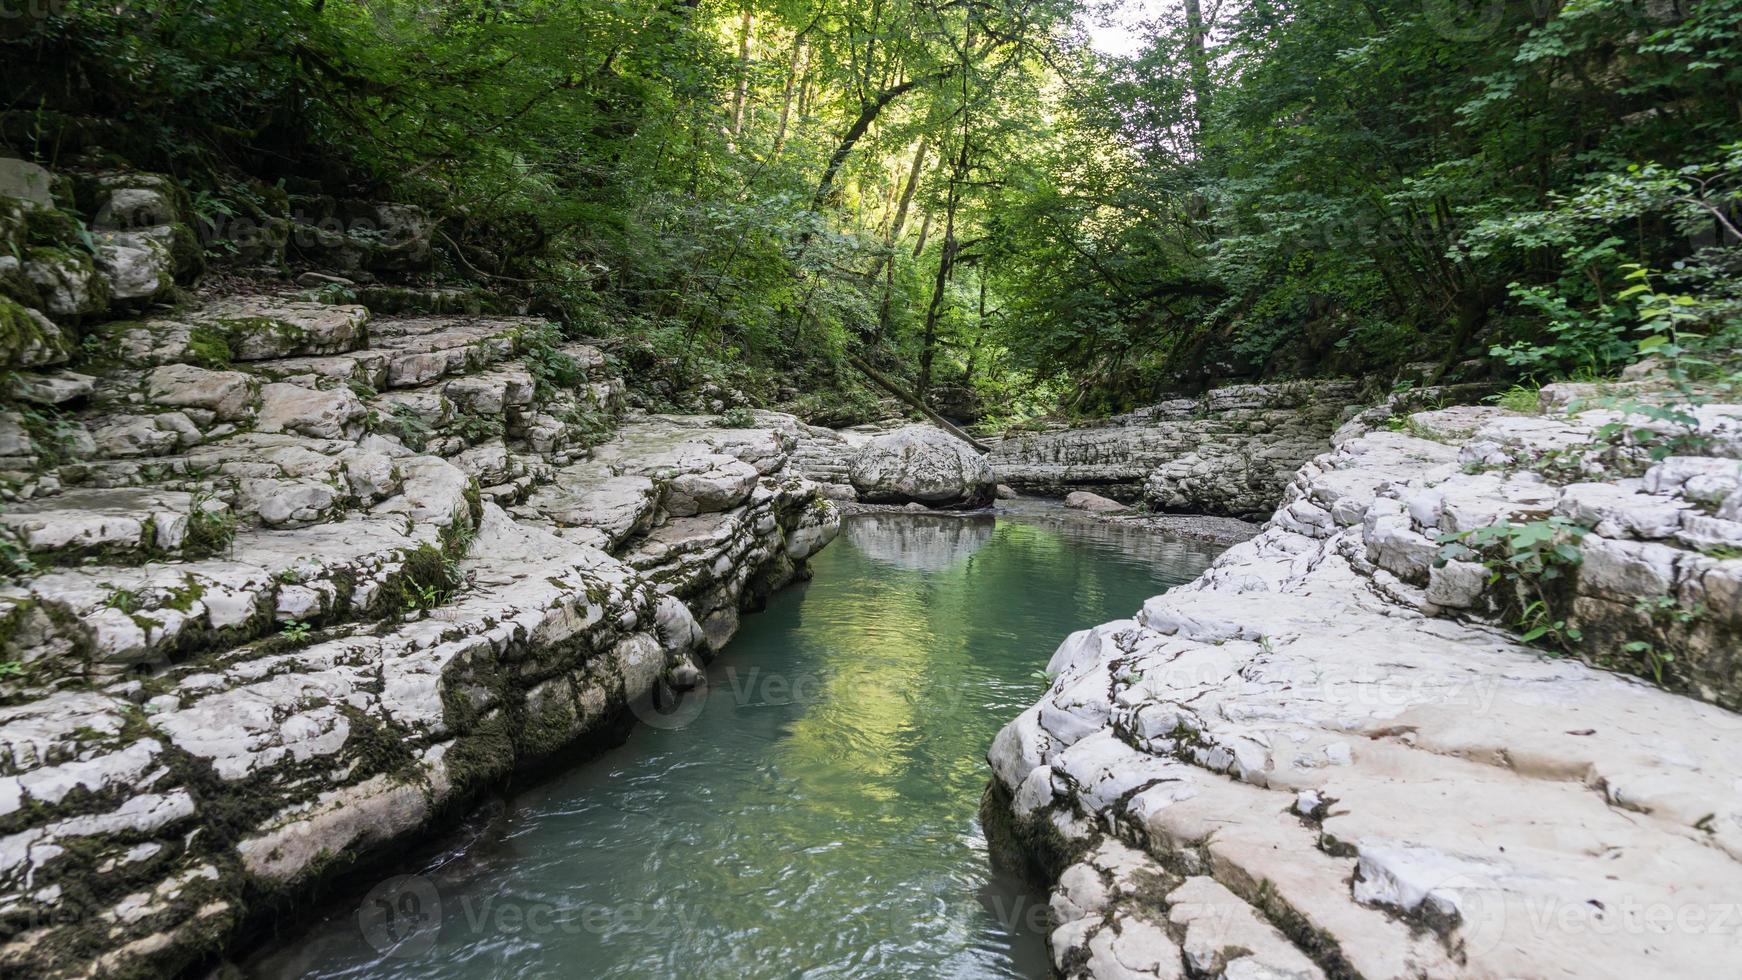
x=922 y=542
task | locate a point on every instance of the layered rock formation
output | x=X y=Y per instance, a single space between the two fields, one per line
x=1320 y=759
x=288 y=583
x=1229 y=451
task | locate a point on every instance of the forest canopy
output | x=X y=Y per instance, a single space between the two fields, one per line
x=967 y=194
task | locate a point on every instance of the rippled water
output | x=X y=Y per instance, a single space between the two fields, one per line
x=817 y=817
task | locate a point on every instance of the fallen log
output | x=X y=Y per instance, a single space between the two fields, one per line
x=884 y=382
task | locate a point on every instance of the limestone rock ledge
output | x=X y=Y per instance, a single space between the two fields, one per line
x=1318 y=760
x=1229 y=451
x=261 y=640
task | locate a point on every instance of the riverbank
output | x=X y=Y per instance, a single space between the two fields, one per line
x=1331 y=756
x=292 y=582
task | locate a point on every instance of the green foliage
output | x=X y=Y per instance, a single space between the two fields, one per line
x=210 y=530
x=209 y=348
x=53 y=436
x=1349 y=185
x=737 y=418
x=476 y=428
x=1334 y=186
x=407 y=425
x=1519 y=398
x=429 y=578
x=1665 y=614
x=1527 y=559
x=15 y=561
x=296 y=633
x=552 y=370
x=1568 y=340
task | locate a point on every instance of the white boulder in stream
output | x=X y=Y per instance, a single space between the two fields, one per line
x=921 y=464
x=1323 y=759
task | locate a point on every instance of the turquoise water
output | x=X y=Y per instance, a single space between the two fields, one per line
x=814 y=815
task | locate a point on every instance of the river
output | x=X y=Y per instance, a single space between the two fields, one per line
x=813 y=814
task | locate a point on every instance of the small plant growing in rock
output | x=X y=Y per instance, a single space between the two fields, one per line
x=209 y=349
x=11 y=668
x=592 y=426
x=1524 y=399
x=14 y=560
x=1664 y=614
x=737 y=418
x=552 y=370
x=419 y=596
x=297 y=633
x=1526 y=557
x=407 y=425
x=1655 y=660
x=332 y=294
x=53 y=436
x=477 y=428
x=429 y=579
x=210 y=529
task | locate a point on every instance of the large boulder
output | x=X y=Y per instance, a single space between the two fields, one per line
x=1093 y=503
x=921 y=464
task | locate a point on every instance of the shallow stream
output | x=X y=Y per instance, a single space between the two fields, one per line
x=815 y=814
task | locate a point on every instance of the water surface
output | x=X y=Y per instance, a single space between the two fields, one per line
x=815 y=815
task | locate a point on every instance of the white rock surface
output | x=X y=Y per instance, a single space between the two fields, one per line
x=286 y=611
x=921 y=464
x=1291 y=768
x=1093 y=503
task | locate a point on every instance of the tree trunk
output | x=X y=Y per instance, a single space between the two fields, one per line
x=907 y=396
x=883 y=308
x=924 y=233
x=946 y=265
x=979 y=333
x=799 y=50
x=868 y=113
x=741 y=95
x=1200 y=61
x=907 y=193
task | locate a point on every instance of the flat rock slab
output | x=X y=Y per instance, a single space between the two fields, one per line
x=588 y=495
x=253 y=328
x=91 y=522
x=420 y=350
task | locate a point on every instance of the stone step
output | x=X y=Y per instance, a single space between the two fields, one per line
x=288 y=480
x=424 y=348
x=109 y=524
x=104 y=620
x=590 y=504
x=244 y=328
x=654 y=468
x=408 y=352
